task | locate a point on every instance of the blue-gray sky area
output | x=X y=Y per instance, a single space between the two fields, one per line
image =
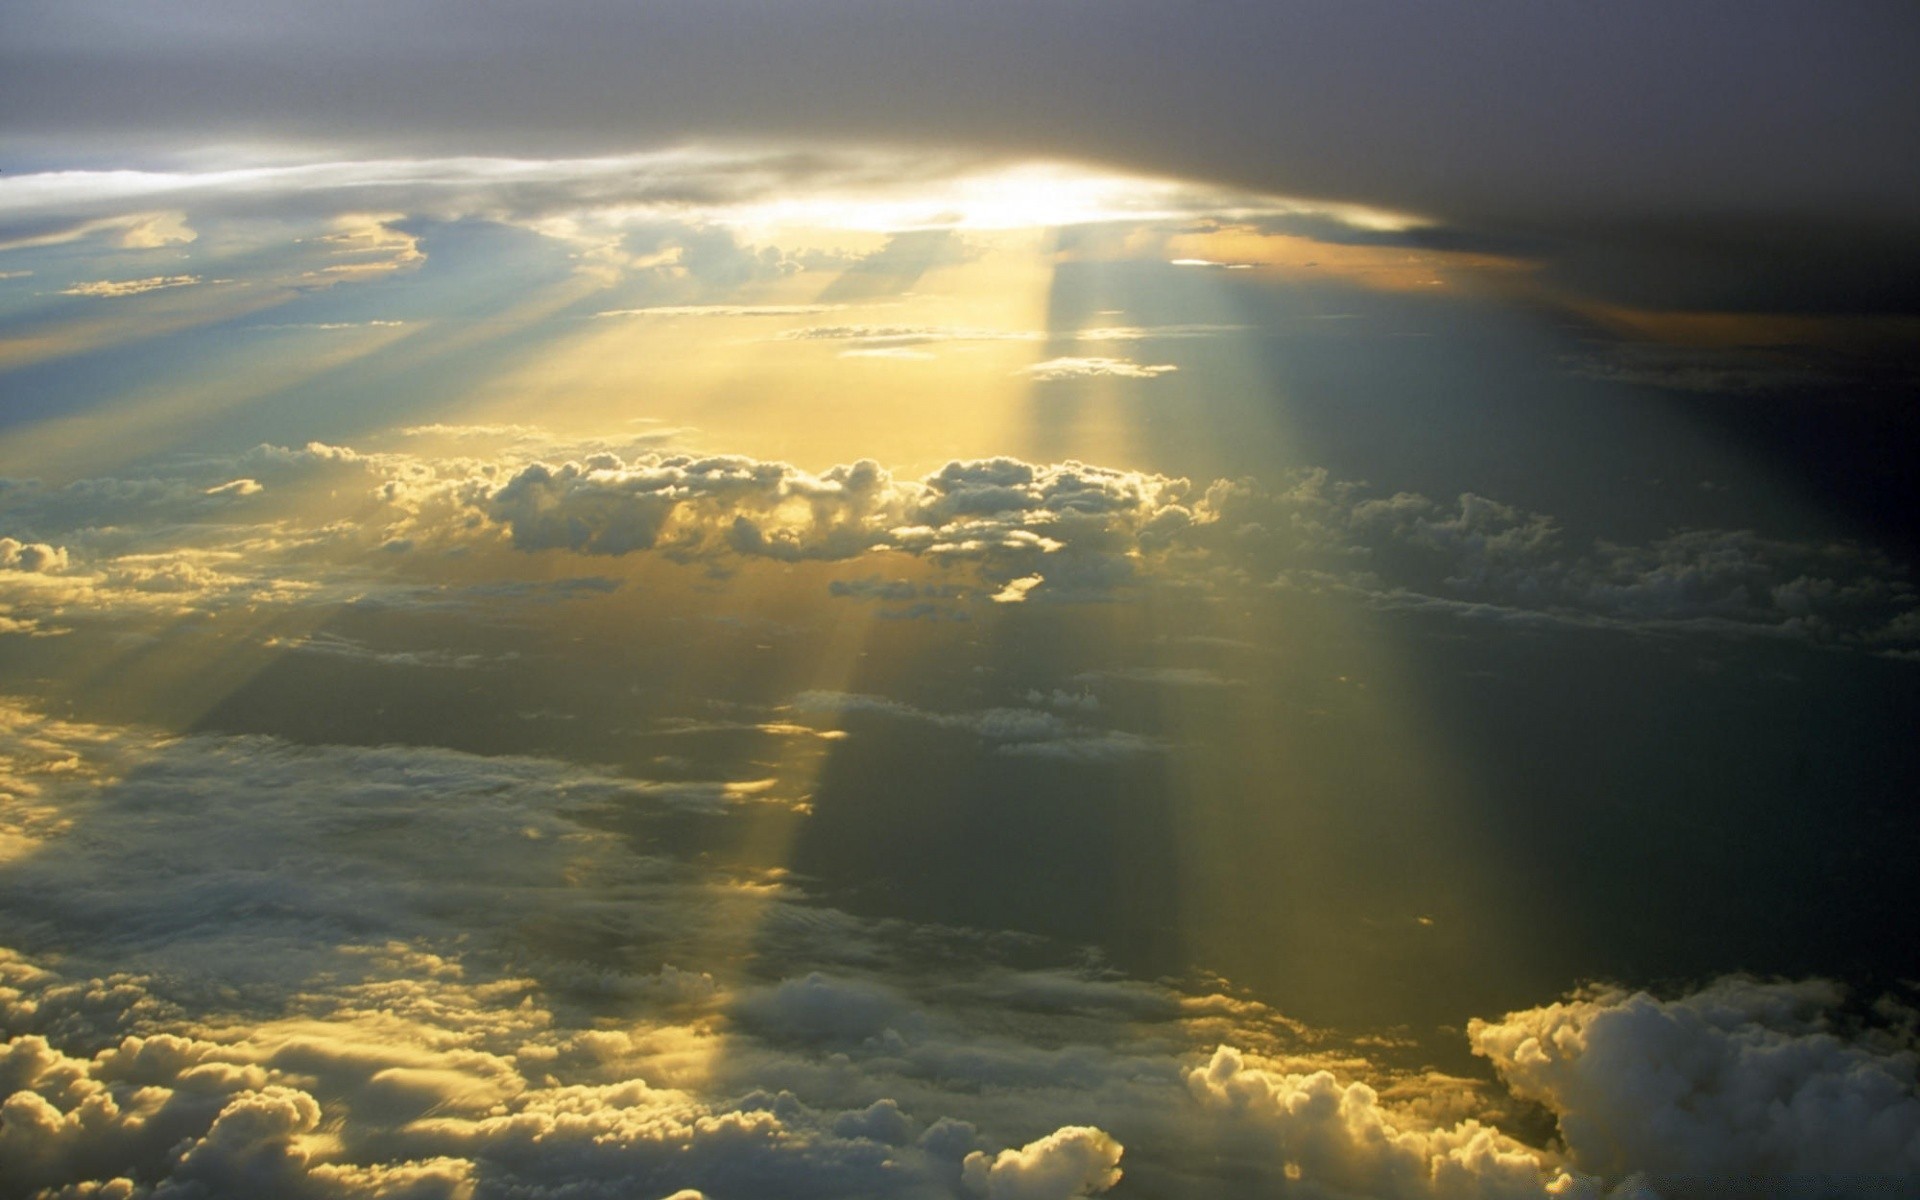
x=1023 y=602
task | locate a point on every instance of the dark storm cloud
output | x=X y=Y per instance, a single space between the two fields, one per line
x=1752 y=157
x=1453 y=107
x=1548 y=116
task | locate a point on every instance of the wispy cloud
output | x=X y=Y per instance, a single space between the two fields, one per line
x=1055 y=370
x=720 y=310
x=131 y=287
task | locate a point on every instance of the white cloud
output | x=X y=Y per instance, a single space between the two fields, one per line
x=897 y=353
x=1341 y=1137
x=1016 y=590
x=1054 y=370
x=1001 y=516
x=327 y=971
x=332 y=325
x=130 y=287
x=998 y=528
x=128 y=231
x=1070 y=1162
x=1741 y=1079
x=720 y=310
x=335 y=646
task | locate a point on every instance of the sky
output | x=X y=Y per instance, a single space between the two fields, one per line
x=825 y=599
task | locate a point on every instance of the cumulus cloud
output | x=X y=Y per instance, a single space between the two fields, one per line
x=215 y=1117
x=998 y=529
x=288 y=1028
x=35 y=557
x=1742 y=1079
x=1070 y=1162
x=1340 y=1136
x=1001 y=516
x=330 y=971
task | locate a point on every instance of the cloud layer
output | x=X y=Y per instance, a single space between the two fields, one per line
x=217 y=532
x=337 y=971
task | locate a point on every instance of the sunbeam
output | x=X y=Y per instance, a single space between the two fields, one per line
x=941 y=666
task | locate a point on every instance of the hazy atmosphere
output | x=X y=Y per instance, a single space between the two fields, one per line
x=829 y=599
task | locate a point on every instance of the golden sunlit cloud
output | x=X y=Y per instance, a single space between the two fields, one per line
x=133 y=287
x=688 y=672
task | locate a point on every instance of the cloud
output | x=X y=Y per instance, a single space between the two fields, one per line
x=1694 y=369
x=720 y=310
x=621 y=77
x=336 y=646
x=1070 y=1162
x=1001 y=516
x=879 y=337
x=902 y=341
x=130 y=287
x=128 y=231
x=1341 y=1137
x=898 y=353
x=330 y=325
x=335 y=971
x=1740 y=1079
x=1055 y=370
x=1016 y=590
x=1016 y=732
x=294 y=991
x=1207 y=262
x=35 y=557
x=1200 y=677
x=1060 y=698
x=990 y=528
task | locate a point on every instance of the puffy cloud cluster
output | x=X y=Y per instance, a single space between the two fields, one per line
x=323 y=1009
x=406 y=1103
x=1070 y=1162
x=1482 y=559
x=1078 y=527
x=1740 y=1080
x=282 y=524
x=337 y=971
x=1823 y=590
x=1340 y=1136
x=35 y=557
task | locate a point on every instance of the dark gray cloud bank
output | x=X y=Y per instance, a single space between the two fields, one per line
x=1743 y=156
